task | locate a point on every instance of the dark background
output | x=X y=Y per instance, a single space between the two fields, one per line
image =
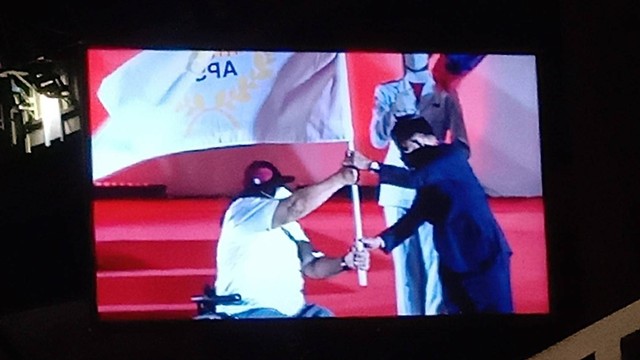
x=588 y=95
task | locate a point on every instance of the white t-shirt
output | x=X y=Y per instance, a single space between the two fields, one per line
x=257 y=262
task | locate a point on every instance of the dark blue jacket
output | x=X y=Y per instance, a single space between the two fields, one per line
x=466 y=234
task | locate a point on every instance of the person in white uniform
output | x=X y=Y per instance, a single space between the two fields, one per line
x=263 y=253
x=418 y=288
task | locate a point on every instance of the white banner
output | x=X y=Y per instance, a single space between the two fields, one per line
x=163 y=102
x=499 y=100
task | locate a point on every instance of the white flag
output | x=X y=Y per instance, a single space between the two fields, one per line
x=163 y=102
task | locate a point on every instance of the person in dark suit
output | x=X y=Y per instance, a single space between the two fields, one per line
x=474 y=254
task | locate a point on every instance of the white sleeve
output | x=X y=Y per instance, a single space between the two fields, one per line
x=251 y=213
x=296 y=231
x=456 y=121
x=381 y=119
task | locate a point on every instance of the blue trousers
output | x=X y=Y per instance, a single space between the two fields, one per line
x=485 y=291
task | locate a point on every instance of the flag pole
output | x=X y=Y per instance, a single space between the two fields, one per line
x=355 y=190
x=357 y=216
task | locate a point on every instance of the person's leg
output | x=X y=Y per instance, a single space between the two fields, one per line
x=408 y=269
x=490 y=289
x=432 y=300
x=259 y=313
x=313 y=310
x=454 y=295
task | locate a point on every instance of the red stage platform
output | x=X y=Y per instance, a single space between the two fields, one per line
x=154 y=254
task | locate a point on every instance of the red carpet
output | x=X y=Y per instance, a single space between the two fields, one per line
x=153 y=255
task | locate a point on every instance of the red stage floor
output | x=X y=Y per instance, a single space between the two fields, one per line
x=154 y=254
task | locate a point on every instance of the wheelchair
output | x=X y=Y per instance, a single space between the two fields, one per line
x=207 y=302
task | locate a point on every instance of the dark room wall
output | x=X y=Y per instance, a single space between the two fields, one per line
x=590 y=159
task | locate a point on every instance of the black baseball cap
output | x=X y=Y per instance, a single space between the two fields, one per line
x=263 y=174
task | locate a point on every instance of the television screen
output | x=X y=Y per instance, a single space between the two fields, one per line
x=174 y=130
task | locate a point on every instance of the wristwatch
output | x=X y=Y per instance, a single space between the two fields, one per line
x=374 y=166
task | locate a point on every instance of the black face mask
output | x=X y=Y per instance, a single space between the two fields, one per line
x=269 y=192
x=264 y=191
x=419 y=157
x=274 y=191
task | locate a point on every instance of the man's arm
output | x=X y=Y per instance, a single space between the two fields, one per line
x=391 y=100
x=398 y=176
x=326 y=266
x=405 y=226
x=391 y=237
x=304 y=201
x=389 y=174
x=457 y=127
x=382 y=119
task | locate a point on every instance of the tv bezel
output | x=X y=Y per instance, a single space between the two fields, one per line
x=552 y=152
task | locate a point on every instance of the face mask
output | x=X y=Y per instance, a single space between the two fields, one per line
x=416 y=62
x=277 y=193
x=418 y=157
x=282 y=193
x=417 y=68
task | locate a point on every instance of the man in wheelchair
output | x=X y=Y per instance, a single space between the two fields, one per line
x=264 y=254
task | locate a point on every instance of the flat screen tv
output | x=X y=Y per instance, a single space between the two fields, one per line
x=172 y=131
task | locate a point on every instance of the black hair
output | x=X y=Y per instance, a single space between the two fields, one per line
x=407 y=126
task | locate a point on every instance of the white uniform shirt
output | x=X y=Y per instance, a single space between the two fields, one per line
x=381 y=124
x=257 y=262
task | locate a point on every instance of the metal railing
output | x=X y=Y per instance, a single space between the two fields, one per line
x=601 y=338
